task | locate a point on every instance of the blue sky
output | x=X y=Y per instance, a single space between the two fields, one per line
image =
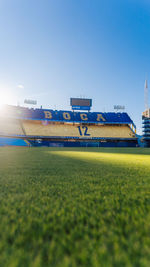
x=51 y=50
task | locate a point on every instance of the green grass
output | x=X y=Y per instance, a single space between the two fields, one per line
x=74 y=207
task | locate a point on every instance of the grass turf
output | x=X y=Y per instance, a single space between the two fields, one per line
x=74 y=207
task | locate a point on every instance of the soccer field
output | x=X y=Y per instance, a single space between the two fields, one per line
x=74 y=207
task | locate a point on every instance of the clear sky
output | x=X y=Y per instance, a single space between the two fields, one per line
x=51 y=50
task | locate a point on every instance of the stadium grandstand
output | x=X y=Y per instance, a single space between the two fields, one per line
x=45 y=127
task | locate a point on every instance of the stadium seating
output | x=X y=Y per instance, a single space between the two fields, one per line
x=33 y=125
x=36 y=128
x=10 y=127
x=67 y=116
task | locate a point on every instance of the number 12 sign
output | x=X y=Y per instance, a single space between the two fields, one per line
x=83 y=130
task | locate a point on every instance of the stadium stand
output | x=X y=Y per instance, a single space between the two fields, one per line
x=9 y=126
x=67 y=128
x=35 y=128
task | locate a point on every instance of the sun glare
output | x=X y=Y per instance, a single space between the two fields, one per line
x=5 y=98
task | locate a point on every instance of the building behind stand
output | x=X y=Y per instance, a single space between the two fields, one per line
x=146 y=127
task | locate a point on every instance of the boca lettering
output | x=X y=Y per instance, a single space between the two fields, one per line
x=66 y=116
x=48 y=114
x=100 y=117
x=83 y=117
